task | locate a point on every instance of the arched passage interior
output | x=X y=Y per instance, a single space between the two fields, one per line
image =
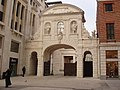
x=58 y=60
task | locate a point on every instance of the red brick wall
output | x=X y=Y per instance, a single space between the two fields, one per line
x=104 y=17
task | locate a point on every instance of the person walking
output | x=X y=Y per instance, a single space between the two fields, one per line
x=23 y=70
x=7 y=77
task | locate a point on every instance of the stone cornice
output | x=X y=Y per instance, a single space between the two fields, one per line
x=109 y=44
x=72 y=13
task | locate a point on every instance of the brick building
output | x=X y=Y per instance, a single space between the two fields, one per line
x=108 y=28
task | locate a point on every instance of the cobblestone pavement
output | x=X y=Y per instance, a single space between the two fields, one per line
x=60 y=83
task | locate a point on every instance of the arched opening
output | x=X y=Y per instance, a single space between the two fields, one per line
x=33 y=63
x=87 y=64
x=59 y=59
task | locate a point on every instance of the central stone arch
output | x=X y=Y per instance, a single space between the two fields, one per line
x=59 y=59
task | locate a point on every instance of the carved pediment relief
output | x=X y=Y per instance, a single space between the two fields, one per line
x=62 y=9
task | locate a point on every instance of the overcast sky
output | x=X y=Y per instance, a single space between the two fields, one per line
x=89 y=7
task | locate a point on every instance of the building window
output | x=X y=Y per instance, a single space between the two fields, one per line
x=16 y=25
x=111 y=54
x=22 y=12
x=60 y=27
x=0 y=42
x=110 y=30
x=109 y=7
x=33 y=23
x=18 y=6
x=13 y=7
x=3 y=2
x=14 y=47
x=20 y=28
x=12 y=24
x=1 y=16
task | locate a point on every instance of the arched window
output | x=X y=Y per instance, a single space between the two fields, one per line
x=60 y=27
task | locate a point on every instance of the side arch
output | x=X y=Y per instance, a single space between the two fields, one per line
x=87 y=64
x=33 y=63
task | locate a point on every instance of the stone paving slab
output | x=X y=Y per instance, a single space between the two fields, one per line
x=60 y=83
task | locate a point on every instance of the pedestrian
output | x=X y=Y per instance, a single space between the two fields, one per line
x=7 y=77
x=23 y=70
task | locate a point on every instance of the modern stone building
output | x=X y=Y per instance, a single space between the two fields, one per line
x=19 y=20
x=51 y=40
x=108 y=28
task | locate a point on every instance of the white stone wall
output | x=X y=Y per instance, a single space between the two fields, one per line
x=9 y=34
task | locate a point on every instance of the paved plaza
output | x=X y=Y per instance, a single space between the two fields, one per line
x=60 y=83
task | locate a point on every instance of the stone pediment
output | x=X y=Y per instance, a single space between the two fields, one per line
x=61 y=9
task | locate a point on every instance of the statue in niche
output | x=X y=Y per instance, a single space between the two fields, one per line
x=73 y=27
x=47 y=28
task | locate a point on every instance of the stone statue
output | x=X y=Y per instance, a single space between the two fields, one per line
x=73 y=27
x=47 y=28
x=94 y=34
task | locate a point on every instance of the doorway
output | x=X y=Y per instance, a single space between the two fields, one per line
x=70 y=68
x=88 y=69
x=87 y=64
x=13 y=65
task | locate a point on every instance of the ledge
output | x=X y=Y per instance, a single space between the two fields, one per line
x=14 y=31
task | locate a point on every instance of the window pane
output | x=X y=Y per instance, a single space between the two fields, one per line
x=12 y=24
x=108 y=7
x=0 y=42
x=111 y=54
x=22 y=12
x=1 y=16
x=18 y=6
x=20 y=28
x=14 y=46
x=110 y=30
x=2 y=2
x=15 y=25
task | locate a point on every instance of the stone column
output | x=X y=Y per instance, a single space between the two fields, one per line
x=102 y=64
x=74 y=59
x=28 y=57
x=119 y=62
x=40 y=65
x=95 y=63
x=79 y=62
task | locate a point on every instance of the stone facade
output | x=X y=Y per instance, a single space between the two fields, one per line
x=57 y=44
x=32 y=34
x=16 y=27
